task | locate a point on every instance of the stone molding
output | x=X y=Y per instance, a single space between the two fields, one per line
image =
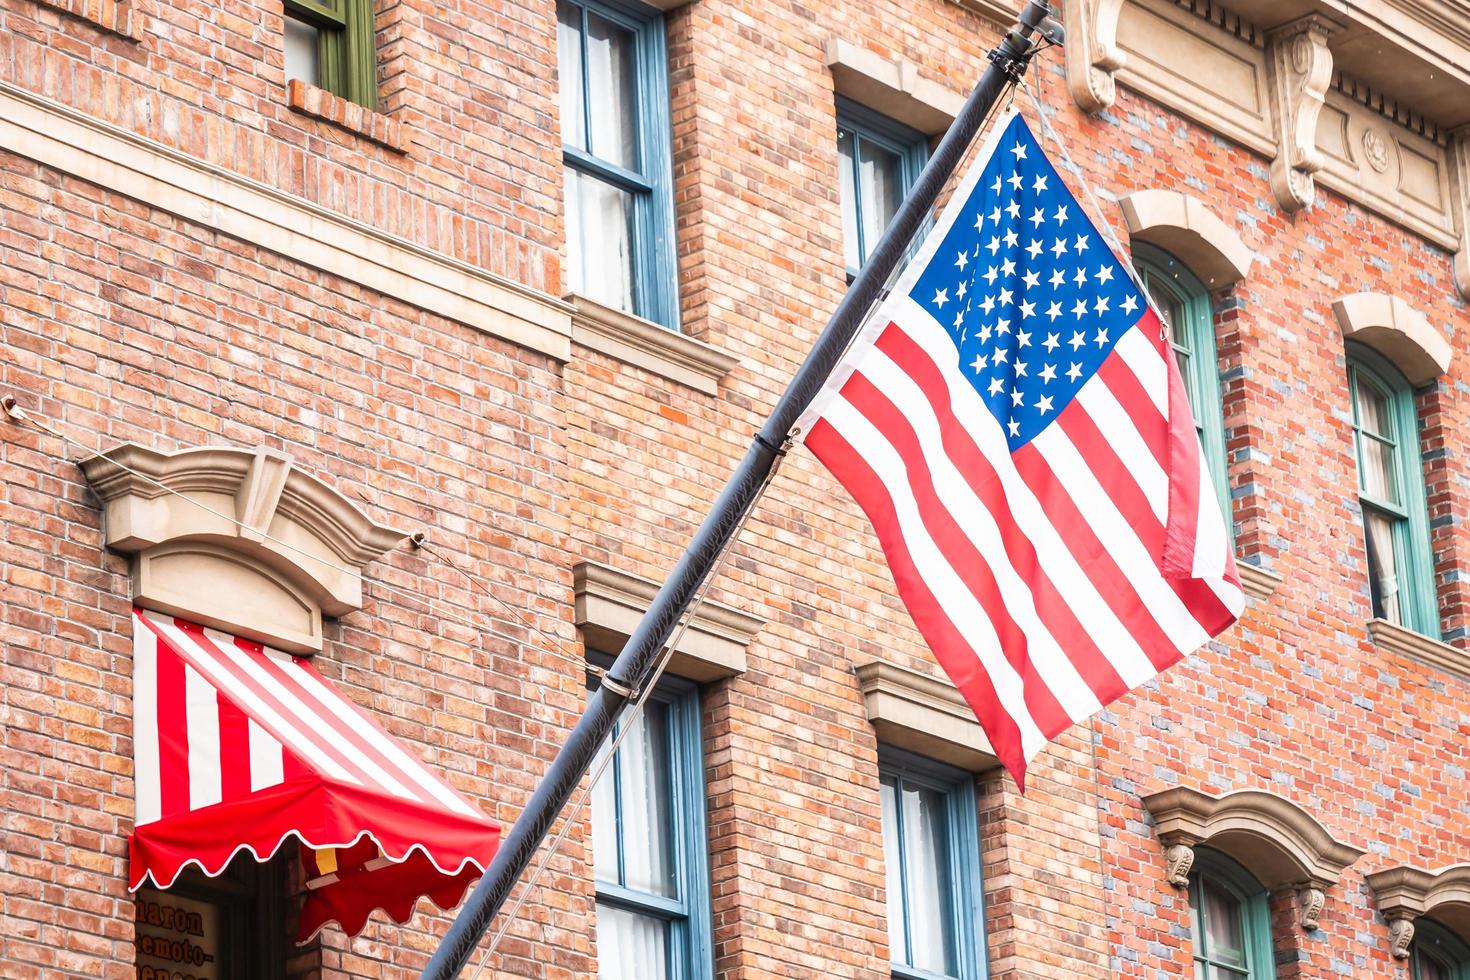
x=375 y=127
x=1405 y=893
x=648 y=345
x=610 y=604
x=1396 y=330
x=1188 y=230
x=114 y=16
x=1416 y=646
x=1299 y=70
x=240 y=540
x=1277 y=841
x=1259 y=583
x=1459 y=185
x=925 y=715
x=251 y=212
x=893 y=88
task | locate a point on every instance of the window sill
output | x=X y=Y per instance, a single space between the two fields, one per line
x=643 y=343
x=1258 y=583
x=360 y=120
x=1416 y=646
x=114 y=16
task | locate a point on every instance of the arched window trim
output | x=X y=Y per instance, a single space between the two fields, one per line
x=1160 y=268
x=1419 y=598
x=1452 y=951
x=1255 y=911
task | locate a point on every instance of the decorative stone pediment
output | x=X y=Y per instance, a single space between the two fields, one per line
x=610 y=604
x=923 y=714
x=1274 y=839
x=236 y=539
x=1188 y=230
x=1397 y=331
x=1405 y=893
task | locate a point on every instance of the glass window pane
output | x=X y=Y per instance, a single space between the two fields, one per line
x=1383 y=572
x=851 y=240
x=1427 y=967
x=605 y=820
x=569 y=65
x=302 y=43
x=646 y=795
x=1373 y=409
x=880 y=184
x=893 y=868
x=927 y=866
x=1378 y=475
x=631 y=946
x=599 y=240
x=1224 y=922
x=612 y=91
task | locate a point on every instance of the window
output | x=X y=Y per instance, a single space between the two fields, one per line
x=648 y=845
x=330 y=44
x=615 y=154
x=1184 y=303
x=1230 y=924
x=878 y=160
x=232 y=926
x=1391 y=491
x=931 y=852
x=1437 y=954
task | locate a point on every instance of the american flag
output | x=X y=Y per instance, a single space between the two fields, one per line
x=1014 y=425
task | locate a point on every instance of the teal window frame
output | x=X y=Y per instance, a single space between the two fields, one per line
x=1218 y=869
x=1194 y=336
x=1432 y=940
x=691 y=948
x=911 y=147
x=651 y=185
x=967 y=899
x=1413 y=558
x=347 y=46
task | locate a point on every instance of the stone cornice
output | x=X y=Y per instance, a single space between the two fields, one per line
x=924 y=715
x=1405 y=893
x=1416 y=646
x=648 y=345
x=1259 y=584
x=252 y=212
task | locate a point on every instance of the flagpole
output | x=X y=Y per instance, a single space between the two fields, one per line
x=1008 y=62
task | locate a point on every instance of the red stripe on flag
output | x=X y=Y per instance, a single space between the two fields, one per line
x=945 y=640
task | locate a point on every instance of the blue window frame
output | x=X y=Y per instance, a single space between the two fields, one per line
x=1391 y=493
x=1230 y=924
x=931 y=853
x=1437 y=954
x=1184 y=303
x=878 y=161
x=649 y=846
x=616 y=159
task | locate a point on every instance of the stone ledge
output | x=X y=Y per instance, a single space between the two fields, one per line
x=923 y=715
x=1259 y=584
x=257 y=214
x=610 y=604
x=1187 y=229
x=318 y=103
x=114 y=16
x=1416 y=646
x=1404 y=893
x=1396 y=330
x=893 y=88
x=647 y=345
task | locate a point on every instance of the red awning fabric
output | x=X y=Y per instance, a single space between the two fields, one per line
x=239 y=747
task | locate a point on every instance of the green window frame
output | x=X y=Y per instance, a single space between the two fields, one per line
x=347 y=54
x=1185 y=302
x=860 y=129
x=1391 y=493
x=1214 y=873
x=1437 y=954
x=671 y=901
x=954 y=871
x=643 y=177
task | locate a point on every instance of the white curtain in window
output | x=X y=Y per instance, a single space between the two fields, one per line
x=631 y=946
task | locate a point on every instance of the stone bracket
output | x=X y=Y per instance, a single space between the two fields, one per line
x=1460 y=204
x=1092 y=53
x=1299 y=68
x=1400 y=937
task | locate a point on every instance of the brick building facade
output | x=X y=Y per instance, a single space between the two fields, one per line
x=356 y=245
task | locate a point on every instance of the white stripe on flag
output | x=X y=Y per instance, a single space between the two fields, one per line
x=949 y=590
x=267 y=766
x=201 y=712
x=147 y=785
x=1122 y=437
x=1143 y=359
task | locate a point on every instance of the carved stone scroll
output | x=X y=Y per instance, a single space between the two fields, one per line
x=1179 y=859
x=1460 y=204
x=1309 y=904
x=1092 y=51
x=1300 y=69
x=1400 y=937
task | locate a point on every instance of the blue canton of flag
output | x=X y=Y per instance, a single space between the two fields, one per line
x=1029 y=291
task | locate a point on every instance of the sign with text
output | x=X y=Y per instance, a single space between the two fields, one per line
x=178 y=938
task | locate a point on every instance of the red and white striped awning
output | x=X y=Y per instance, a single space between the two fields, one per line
x=238 y=746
